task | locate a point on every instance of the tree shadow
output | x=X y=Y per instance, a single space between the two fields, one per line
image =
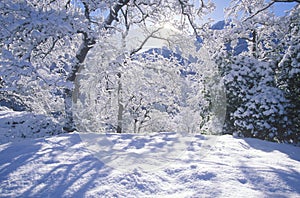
x=136 y=151
x=284 y=180
x=62 y=166
x=287 y=149
x=37 y=168
x=273 y=177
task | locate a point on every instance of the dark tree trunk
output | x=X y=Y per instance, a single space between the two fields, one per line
x=120 y=106
x=254 y=43
x=69 y=97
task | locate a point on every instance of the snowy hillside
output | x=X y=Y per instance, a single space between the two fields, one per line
x=154 y=165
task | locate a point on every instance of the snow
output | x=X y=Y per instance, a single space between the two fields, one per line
x=70 y=165
x=139 y=165
x=17 y=125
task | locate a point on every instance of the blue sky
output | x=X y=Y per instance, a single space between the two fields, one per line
x=218 y=14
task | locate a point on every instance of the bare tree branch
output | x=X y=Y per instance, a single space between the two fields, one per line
x=86 y=11
x=45 y=54
x=125 y=15
x=268 y=6
x=145 y=41
x=183 y=6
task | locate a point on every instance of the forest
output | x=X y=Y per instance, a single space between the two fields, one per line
x=88 y=65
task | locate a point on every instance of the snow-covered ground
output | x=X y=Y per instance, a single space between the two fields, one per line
x=153 y=165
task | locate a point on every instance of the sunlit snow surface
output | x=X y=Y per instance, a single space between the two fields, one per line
x=149 y=152
x=65 y=166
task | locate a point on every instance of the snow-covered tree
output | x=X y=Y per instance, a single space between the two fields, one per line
x=37 y=51
x=256 y=104
x=157 y=90
x=289 y=72
x=260 y=107
x=45 y=43
x=128 y=95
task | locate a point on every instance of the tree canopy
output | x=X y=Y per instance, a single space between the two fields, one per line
x=45 y=47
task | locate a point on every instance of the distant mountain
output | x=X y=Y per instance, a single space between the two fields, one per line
x=242 y=45
x=168 y=54
x=220 y=25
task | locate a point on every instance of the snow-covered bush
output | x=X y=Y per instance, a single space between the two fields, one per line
x=18 y=125
x=263 y=114
x=258 y=106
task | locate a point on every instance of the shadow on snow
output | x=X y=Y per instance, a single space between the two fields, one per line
x=61 y=166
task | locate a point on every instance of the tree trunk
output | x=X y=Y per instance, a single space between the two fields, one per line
x=120 y=106
x=135 y=125
x=72 y=94
x=88 y=43
x=254 y=43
